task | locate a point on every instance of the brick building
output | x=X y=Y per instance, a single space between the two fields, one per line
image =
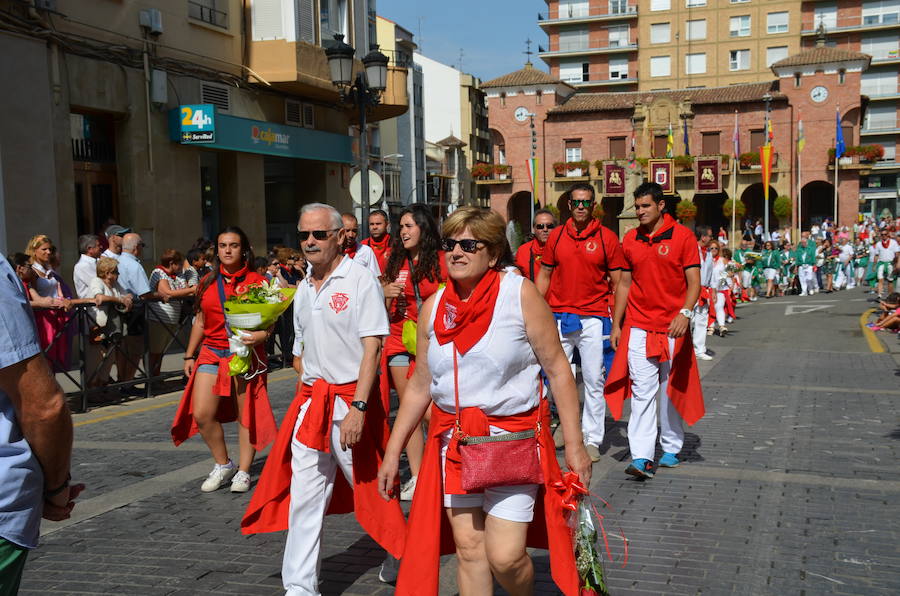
x=817 y=84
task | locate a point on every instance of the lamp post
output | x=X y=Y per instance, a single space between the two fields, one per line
x=363 y=91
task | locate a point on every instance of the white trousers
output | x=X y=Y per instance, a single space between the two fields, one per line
x=649 y=378
x=589 y=341
x=720 y=308
x=807 y=278
x=698 y=328
x=312 y=482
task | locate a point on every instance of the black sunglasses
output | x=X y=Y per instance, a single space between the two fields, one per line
x=317 y=234
x=544 y=226
x=468 y=245
x=581 y=203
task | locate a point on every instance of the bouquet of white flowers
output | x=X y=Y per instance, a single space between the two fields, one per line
x=253 y=307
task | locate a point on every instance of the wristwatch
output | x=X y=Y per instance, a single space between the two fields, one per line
x=359 y=405
x=686 y=313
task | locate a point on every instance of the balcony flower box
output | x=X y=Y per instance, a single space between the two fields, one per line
x=502 y=171
x=482 y=170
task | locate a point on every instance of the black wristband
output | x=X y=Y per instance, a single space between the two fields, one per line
x=49 y=494
x=189 y=358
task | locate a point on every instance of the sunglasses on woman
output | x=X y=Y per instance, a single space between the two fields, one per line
x=468 y=245
x=317 y=234
x=544 y=226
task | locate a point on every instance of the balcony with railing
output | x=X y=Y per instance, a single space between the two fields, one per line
x=575 y=15
x=843 y=24
x=580 y=48
x=202 y=11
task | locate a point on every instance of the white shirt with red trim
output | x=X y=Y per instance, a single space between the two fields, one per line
x=330 y=324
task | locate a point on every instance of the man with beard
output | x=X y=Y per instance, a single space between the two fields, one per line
x=580 y=267
x=356 y=250
x=528 y=257
x=379 y=240
x=333 y=436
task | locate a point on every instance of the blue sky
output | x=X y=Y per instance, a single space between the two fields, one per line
x=491 y=33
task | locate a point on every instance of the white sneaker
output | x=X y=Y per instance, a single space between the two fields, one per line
x=703 y=356
x=241 y=482
x=709 y=330
x=218 y=477
x=408 y=490
x=390 y=569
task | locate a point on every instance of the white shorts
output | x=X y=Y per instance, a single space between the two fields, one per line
x=770 y=274
x=512 y=503
x=746 y=279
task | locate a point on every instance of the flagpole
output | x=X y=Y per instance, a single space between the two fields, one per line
x=799 y=197
x=834 y=222
x=734 y=163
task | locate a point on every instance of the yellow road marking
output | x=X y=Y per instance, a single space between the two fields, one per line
x=290 y=375
x=874 y=343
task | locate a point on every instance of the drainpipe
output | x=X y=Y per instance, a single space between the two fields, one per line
x=146 y=56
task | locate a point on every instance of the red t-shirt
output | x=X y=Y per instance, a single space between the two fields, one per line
x=214 y=334
x=404 y=306
x=581 y=262
x=657 y=265
x=528 y=258
x=381 y=249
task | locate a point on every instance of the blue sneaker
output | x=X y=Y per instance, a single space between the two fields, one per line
x=669 y=460
x=640 y=468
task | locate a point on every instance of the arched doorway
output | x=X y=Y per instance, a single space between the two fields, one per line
x=562 y=203
x=518 y=209
x=709 y=211
x=755 y=202
x=612 y=207
x=816 y=203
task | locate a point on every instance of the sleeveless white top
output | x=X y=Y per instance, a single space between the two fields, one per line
x=500 y=373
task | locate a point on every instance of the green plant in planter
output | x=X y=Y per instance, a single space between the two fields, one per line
x=644 y=161
x=582 y=165
x=782 y=208
x=502 y=168
x=685 y=162
x=686 y=210
x=749 y=159
x=560 y=167
x=482 y=170
x=735 y=206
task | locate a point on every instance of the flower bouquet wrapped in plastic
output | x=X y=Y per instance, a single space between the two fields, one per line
x=587 y=529
x=253 y=307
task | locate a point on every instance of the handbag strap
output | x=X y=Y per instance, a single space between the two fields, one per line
x=415 y=286
x=221 y=288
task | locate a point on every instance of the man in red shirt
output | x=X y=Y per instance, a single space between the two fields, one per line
x=379 y=240
x=579 y=267
x=528 y=257
x=655 y=296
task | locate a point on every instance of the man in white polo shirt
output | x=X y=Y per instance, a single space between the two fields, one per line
x=85 y=269
x=882 y=255
x=333 y=436
x=355 y=249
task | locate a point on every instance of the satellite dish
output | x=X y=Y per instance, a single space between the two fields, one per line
x=376 y=187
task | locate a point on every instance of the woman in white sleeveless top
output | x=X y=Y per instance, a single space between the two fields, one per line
x=502 y=333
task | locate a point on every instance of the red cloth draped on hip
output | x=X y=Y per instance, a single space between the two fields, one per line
x=257 y=415
x=684 y=382
x=428 y=526
x=705 y=295
x=269 y=508
x=729 y=303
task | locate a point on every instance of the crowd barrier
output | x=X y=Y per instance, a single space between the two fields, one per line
x=75 y=351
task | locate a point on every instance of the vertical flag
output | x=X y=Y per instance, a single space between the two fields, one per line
x=765 y=159
x=687 y=148
x=839 y=147
x=801 y=138
x=670 y=141
x=736 y=138
x=533 y=179
x=632 y=156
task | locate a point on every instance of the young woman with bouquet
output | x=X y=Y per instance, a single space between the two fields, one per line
x=212 y=396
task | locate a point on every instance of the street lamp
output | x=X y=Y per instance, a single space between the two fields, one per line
x=363 y=91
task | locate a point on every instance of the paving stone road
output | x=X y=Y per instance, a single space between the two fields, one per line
x=790 y=486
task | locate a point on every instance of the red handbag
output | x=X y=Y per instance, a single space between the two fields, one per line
x=509 y=459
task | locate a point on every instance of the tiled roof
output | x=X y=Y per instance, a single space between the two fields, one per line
x=599 y=102
x=821 y=55
x=524 y=76
x=451 y=141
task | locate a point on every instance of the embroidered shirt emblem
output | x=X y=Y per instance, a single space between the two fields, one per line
x=339 y=302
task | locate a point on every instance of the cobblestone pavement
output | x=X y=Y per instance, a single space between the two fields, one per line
x=790 y=486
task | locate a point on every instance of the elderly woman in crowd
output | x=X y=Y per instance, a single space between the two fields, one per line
x=109 y=325
x=165 y=317
x=482 y=341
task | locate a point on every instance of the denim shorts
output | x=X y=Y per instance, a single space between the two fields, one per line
x=213 y=369
x=401 y=359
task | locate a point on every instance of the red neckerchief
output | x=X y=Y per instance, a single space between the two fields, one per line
x=464 y=323
x=351 y=252
x=587 y=232
x=376 y=245
x=166 y=273
x=886 y=243
x=233 y=277
x=668 y=222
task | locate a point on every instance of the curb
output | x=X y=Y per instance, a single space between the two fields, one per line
x=875 y=344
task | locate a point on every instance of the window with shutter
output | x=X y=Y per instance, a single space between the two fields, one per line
x=826 y=14
x=881 y=12
x=775 y=54
x=306 y=20
x=660 y=4
x=777 y=22
x=660 y=142
x=739 y=26
x=881 y=116
x=695 y=29
x=757 y=140
x=660 y=66
x=618 y=36
x=660 y=33
x=618 y=68
x=573 y=150
x=617 y=147
x=739 y=60
x=878 y=82
x=709 y=144
x=880 y=47
x=695 y=63
x=573 y=39
x=267 y=20
x=570 y=71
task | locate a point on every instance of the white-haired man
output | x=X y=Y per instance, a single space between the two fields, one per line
x=336 y=421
